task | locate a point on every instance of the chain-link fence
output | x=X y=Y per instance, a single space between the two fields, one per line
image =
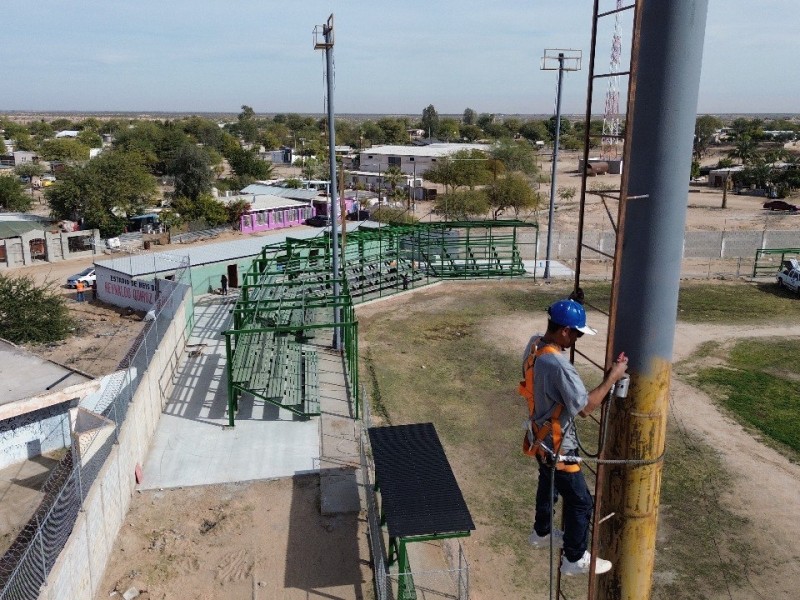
x=452 y=582
x=24 y=567
x=723 y=245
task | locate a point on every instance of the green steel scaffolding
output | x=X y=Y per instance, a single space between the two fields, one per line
x=287 y=307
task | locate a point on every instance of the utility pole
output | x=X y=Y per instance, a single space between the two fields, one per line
x=326 y=44
x=658 y=151
x=565 y=60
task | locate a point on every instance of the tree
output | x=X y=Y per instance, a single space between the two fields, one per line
x=205 y=208
x=512 y=192
x=29 y=170
x=314 y=169
x=516 y=156
x=12 y=197
x=247 y=163
x=63 y=149
x=448 y=129
x=465 y=168
x=394 y=131
x=470 y=117
x=704 y=129
x=103 y=192
x=746 y=150
x=430 y=120
x=470 y=133
x=566 y=126
x=191 y=169
x=90 y=139
x=535 y=131
x=460 y=206
x=393 y=176
x=566 y=193
x=32 y=313
x=236 y=210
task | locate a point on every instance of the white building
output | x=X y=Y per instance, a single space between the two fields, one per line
x=410 y=159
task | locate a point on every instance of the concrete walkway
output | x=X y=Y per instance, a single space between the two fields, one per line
x=194 y=446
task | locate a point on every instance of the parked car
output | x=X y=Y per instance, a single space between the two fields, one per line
x=318 y=221
x=780 y=205
x=789 y=275
x=87 y=276
x=358 y=215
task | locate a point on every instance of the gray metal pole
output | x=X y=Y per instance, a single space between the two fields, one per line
x=555 y=166
x=666 y=80
x=328 y=30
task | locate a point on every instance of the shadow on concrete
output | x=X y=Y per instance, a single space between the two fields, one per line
x=322 y=552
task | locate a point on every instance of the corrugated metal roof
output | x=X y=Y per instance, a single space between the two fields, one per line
x=165 y=262
x=431 y=150
x=267 y=201
x=11 y=229
x=282 y=192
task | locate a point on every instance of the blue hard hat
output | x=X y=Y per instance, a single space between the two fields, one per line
x=569 y=313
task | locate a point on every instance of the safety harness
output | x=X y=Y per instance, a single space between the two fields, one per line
x=532 y=443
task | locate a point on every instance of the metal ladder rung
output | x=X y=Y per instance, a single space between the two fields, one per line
x=599 y=366
x=593 y=249
x=616 y=136
x=607 y=75
x=598 y=309
x=616 y=10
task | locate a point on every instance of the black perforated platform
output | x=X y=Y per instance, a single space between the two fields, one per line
x=419 y=493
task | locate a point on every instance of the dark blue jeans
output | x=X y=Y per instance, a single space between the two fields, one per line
x=577 y=509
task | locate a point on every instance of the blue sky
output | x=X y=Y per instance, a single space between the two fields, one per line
x=215 y=55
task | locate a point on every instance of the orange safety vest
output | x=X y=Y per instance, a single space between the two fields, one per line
x=532 y=442
x=79 y=286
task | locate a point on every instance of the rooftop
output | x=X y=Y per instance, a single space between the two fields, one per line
x=24 y=375
x=431 y=150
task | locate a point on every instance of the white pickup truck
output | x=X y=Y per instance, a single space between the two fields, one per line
x=789 y=275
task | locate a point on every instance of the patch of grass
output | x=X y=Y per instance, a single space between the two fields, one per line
x=704 y=549
x=435 y=364
x=736 y=302
x=731 y=303
x=759 y=385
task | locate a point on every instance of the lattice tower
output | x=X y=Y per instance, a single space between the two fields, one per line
x=610 y=145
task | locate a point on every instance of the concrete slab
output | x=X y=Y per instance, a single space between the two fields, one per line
x=23 y=375
x=20 y=494
x=194 y=446
x=557 y=270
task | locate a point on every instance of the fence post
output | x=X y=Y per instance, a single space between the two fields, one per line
x=41 y=551
x=77 y=469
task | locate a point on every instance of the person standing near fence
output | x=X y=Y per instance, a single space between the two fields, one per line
x=79 y=287
x=224 y=281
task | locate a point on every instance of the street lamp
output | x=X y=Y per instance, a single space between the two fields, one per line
x=557 y=60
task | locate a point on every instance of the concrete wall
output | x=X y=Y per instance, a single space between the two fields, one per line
x=79 y=569
x=29 y=435
x=56 y=246
x=697 y=244
x=204 y=276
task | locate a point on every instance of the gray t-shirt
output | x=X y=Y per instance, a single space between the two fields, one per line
x=556 y=381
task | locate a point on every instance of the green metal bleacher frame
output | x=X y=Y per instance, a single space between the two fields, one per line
x=287 y=302
x=765 y=265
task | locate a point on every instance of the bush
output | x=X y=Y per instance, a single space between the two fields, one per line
x=31 y=313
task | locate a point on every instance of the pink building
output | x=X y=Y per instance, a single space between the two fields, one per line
x=272 y=212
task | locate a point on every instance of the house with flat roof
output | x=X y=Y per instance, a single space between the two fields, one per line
x=411 y=160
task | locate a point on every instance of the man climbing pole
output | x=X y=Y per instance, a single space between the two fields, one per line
x=556 y=395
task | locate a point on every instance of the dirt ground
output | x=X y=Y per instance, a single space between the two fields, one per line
x=258 y=540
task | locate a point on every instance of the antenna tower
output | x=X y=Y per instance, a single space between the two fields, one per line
x=609 y=148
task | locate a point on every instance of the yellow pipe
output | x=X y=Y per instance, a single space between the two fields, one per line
x=637 y=431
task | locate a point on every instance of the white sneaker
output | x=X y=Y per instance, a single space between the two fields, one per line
x=543 y=541
x=581 y=566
